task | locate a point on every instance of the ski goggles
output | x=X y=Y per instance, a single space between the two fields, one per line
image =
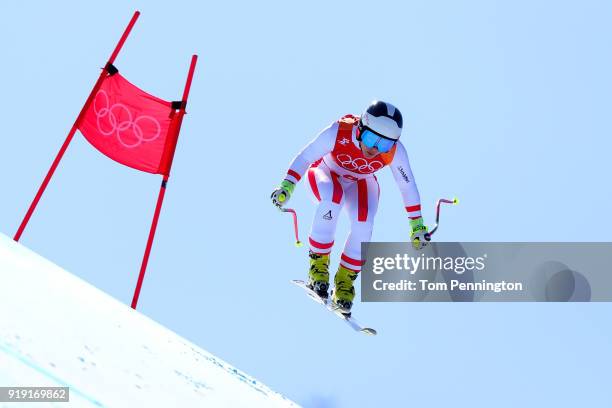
x=371 y=139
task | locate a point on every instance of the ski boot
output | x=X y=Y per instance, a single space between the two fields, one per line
x=318 y=276
x=344 y=291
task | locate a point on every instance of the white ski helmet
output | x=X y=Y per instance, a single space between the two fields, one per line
x=383 y=119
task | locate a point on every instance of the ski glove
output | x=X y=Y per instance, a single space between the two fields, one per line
x=281 y=195
x=418 y=235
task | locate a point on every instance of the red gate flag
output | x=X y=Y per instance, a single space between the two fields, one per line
x=130 y=125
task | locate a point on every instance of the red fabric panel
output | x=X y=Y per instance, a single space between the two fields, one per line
x=294 y=174
x=349 y=156
x=337 y=193
x=362 y=200
x=313 y=184
x=130 y=126
x=320 y=245
x=413 y=208
x=345 y=130
x=351 y=261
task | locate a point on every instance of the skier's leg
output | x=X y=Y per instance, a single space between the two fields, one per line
x=361 y=206
x=329 y=194
x=330 y=197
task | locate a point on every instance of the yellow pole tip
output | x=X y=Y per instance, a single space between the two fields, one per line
x=298 y=244
x=455 y=200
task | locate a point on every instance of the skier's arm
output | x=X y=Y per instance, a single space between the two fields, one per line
x=317 y=148
x=400 y=167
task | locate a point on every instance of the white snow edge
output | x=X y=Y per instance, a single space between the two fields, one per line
x=57 y=330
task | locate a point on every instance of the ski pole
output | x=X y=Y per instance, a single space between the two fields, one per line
x=454 y=201
x=298 y=243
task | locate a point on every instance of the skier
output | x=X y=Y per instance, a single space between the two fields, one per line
x=341 y=162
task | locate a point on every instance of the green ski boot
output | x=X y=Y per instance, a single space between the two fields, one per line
x=344 y=292
x=318 y=276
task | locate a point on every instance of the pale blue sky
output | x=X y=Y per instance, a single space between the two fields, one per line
x=506 y=106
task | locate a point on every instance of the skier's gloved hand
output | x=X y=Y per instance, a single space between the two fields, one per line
x=418 y=233
x=281 y=195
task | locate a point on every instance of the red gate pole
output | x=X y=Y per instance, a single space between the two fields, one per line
x=74 y=128
x=162 y=190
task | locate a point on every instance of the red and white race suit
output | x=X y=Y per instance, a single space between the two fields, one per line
x=341 y=177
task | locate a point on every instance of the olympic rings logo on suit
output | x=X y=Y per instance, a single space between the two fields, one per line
x=359 y=164
x=113 y=126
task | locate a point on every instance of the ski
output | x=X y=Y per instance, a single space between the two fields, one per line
x=351 y=321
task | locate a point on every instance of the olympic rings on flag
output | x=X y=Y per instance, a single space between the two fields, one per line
x=359 y=164
x=122 y=128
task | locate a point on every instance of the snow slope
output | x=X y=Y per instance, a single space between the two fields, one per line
x=57 y=330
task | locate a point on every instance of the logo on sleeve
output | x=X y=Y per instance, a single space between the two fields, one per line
x=403 y=173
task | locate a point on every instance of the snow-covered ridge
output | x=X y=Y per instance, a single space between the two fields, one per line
x=57 y=330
